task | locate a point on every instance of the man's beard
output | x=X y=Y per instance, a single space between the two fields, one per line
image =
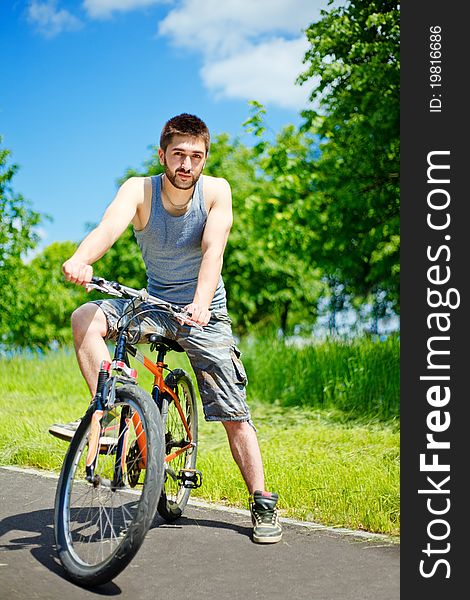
x=179 y=184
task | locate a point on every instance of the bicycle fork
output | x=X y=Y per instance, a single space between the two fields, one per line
x=95 y=427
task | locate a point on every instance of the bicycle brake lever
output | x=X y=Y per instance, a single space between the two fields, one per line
x=102 y=287
x=186 y=320
x=144 y=295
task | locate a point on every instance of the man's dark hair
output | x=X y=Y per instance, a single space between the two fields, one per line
x=184 y=124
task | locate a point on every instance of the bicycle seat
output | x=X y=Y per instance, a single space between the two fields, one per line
x=155 y=338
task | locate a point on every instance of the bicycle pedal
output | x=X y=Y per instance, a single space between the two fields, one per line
x=191 y=478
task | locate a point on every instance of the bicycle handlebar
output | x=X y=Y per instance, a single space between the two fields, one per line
x=114 y=288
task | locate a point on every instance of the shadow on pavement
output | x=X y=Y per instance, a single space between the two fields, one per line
x=37 y=536
x=185 y=521
x=39 y=539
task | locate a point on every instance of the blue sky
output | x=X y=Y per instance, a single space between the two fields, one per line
x=87 y=85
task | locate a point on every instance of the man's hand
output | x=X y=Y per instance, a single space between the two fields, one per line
x=77 y=271
x=199 y=314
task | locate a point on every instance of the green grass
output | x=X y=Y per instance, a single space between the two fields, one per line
x=326 y=467
x=345 y=475
x=360 y=377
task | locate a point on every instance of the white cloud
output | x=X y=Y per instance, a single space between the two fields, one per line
x=50 y=20
x=250 y=49
x=98 y=9
x=228 y=25
x=265 y=72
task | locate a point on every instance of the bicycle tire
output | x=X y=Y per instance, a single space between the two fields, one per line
x=100 y=525
x=175 y=496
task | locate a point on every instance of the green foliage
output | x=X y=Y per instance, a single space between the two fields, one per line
x=353 y=70
x=270 y=279
x=45 y=301
x=316 y=209
x=17 y=236
x=17 y=233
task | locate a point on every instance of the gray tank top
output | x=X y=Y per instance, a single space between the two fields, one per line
x=171 y=249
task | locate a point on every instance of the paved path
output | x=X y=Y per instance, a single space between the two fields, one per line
x=206 y=555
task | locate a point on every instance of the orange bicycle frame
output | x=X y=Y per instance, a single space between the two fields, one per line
x=157 y=370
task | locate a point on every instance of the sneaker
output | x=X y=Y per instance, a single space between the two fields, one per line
x=266 y=527
x=64 y=431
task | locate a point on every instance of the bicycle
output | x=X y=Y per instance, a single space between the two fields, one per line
x=133 y=454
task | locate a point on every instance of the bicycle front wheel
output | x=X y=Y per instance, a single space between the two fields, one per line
x=175 y=494
x=101 y=521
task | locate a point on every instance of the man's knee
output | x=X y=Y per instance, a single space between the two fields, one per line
x=239 y=427
x=88 y=318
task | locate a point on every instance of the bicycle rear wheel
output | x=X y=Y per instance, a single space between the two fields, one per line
x=175 y=495
x=101 y=524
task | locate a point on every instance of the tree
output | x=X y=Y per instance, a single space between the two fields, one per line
x=45 y=301
x=17 y=236
x=268 y=261
x=353 y=68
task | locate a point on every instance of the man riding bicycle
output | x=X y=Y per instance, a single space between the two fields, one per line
x=181 y=222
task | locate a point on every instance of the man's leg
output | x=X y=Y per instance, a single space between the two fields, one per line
x=89 y=328
x=222 y=380
x=246 y=452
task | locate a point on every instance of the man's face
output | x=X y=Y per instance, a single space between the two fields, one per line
x=183 y=160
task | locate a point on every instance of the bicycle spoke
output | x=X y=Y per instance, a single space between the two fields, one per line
x=180 y=443
x=101 y=511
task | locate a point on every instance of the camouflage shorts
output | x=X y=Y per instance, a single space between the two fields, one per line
x=212 y=352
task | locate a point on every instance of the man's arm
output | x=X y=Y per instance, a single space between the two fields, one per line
x=122 y=210
x=214 y=240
